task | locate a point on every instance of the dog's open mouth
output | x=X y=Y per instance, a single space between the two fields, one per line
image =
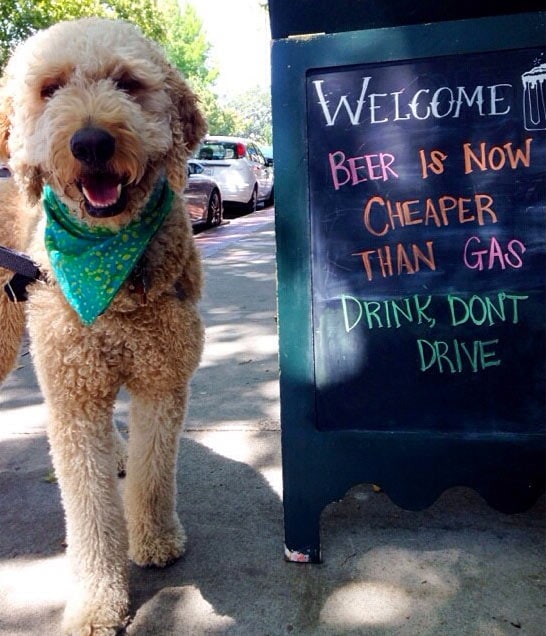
x=104 y=193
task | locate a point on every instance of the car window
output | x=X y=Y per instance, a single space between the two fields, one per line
x=254 y=154
x=260 y=156
x=195 y=168
x=251 y=152
x=219 y=150
x=206 y=153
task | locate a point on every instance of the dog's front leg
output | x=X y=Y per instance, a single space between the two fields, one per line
x=12 y=321
x=156 y=536
x=84 y=460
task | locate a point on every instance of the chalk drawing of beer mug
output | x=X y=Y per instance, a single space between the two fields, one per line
x=534 y=98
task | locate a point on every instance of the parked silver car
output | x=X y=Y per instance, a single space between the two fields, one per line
x=238 y=166
x=202 y=195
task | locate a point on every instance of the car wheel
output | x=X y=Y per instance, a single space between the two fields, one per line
x=214 y=213
x=253 y=202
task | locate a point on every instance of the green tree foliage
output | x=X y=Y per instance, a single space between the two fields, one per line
x=253 y=108
x=185 y=43
x=220 y=121
x=18 y=19
x=21 y=18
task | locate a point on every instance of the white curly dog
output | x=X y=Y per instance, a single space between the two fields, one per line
x=97 y=126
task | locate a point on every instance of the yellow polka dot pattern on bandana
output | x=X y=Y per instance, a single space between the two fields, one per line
x=91 y=264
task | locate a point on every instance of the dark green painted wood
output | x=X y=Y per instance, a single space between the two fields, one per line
x=294 y=17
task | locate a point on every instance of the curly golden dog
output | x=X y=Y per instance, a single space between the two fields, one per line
x=97 y=126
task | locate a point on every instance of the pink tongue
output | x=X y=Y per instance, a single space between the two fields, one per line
x=101 y=190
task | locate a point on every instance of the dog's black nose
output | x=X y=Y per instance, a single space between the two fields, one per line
x=92 y=146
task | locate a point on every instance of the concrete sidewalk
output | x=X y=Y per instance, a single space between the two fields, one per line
x=456 y=569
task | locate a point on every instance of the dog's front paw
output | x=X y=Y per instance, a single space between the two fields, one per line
x=104 y=616
x=157 y=548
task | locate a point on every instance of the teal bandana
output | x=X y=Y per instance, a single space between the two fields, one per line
x=91 y=264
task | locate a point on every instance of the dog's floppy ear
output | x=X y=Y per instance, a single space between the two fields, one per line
x=188 y=127
x=28 y=177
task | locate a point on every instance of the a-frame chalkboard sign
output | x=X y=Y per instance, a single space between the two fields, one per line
x=410 y=219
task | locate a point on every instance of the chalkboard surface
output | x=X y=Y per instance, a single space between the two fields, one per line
x=426 y=198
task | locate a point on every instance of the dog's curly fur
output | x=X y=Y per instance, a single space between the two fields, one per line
x=102 y=74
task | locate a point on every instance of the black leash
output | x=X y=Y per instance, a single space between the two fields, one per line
x=26 y=272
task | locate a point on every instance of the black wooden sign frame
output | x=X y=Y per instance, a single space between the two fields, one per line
x=408 y=200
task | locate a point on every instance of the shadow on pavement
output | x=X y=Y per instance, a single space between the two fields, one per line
x=456 y=569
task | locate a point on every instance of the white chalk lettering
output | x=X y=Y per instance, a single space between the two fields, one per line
x=423 y=104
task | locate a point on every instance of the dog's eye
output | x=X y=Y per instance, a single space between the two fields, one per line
x=49 y=89
x=128 y=84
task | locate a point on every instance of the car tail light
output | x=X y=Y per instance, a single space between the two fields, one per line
x=239 y=151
